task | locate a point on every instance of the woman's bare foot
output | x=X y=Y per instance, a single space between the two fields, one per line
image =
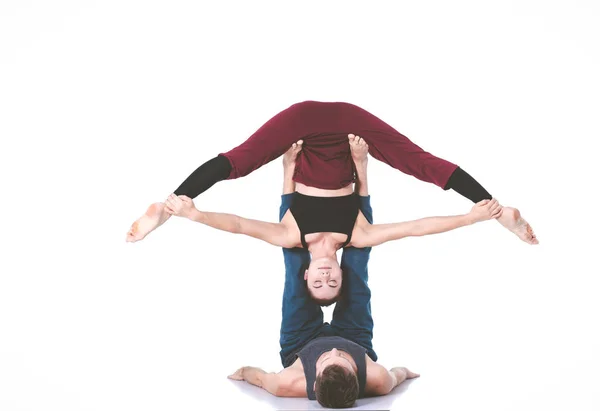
x=511 y=219
x=359 y=149
x=154 y=217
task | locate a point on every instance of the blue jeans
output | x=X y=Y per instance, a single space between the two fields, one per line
x=302 y=318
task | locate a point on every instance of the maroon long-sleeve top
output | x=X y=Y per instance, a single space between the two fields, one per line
x=325 y=160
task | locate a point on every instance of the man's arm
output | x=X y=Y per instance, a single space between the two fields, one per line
x=359 y=149
x=289 y=167
x=381 y=233
x=290 y=382
x=381 y=381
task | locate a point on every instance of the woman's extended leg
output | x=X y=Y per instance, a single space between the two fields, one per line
x=461 y=182
x=269 y=142
x=393 y=148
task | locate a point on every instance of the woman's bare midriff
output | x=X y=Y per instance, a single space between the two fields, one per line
x=320 y=192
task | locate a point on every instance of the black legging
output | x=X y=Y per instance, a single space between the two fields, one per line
x=219 y=168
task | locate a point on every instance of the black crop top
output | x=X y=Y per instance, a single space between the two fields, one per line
x=325 y=215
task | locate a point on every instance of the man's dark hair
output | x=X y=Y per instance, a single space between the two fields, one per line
x=336 y=387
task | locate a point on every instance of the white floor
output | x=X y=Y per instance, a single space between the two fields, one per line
x=93 y=335
x=105 y=106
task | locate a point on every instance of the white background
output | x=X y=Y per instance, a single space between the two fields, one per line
x=106 y=106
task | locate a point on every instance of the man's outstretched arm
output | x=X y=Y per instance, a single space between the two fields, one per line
x=289 y=382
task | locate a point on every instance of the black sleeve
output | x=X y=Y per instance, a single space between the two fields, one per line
x=204 y=177
x=465 y=185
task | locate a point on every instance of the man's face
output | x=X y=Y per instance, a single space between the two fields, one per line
x=323 y=278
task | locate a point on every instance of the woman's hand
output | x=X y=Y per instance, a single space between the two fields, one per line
x=181 y=206
x=486 y=210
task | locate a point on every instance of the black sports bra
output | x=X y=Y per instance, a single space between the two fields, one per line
x=325 y=215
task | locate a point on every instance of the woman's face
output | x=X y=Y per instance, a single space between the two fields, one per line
x=324 y=278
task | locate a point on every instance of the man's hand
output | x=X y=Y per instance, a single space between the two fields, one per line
x=405 y=372
x=238 y=375
x=486 y=210
x=181 y=206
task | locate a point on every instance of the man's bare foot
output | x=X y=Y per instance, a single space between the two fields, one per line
x=511 y=219
x=289 y=158
x=359 y=149
x=154 y=217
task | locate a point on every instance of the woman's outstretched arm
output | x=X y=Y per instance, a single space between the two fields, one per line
x=381 y=233
x=273 y=233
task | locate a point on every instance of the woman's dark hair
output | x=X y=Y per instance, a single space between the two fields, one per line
x=326 y=302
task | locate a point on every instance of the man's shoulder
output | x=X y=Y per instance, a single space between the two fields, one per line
x=292 y=381
x=374 y=370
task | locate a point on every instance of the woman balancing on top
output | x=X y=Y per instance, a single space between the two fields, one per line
x=324 y=169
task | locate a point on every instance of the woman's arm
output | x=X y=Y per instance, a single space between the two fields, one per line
x=381 y=233
x=273 y=233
